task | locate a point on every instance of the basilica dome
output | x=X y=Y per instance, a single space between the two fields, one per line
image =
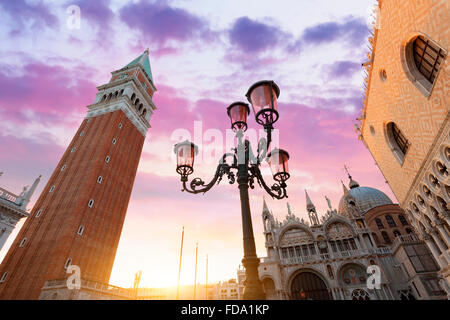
x=365 y=198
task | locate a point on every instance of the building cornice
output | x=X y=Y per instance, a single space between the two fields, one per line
x=136 y=86
x=13 y=209
x=122 y=103
x=369 y=68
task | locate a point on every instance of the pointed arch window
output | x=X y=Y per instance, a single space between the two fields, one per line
x=428 y=57
x=385 y=237
x=422 y=61
x=352 y=244
x=375 y=237
x=379 y=223
x=312 y=249
x=397 y=141
x=402 y=220
x=390 y=221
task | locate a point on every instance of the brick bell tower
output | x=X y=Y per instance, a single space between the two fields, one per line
x=78 y=218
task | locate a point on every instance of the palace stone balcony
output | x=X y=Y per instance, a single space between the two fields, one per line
x=90 y=290
x=317 y=258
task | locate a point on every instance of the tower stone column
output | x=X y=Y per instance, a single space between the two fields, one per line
x=78 y=218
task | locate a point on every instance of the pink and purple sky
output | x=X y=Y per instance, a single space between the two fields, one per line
x=204 y=55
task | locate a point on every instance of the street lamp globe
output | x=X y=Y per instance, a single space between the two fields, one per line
x=186 y=152
x=278 y=162
x=238 y=112
x=263 y=97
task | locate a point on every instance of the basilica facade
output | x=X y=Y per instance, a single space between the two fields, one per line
x=332 y=257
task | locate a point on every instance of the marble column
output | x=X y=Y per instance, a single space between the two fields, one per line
x=443 y=233
x=363 y=244
x=440 y=244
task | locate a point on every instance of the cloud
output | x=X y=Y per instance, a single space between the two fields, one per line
x=97 y=12
x=253 y=36
x=254 y=43
x=36 y=15
x=352 y=31
x=43 y=93
x=159 y=22
x=342 y=69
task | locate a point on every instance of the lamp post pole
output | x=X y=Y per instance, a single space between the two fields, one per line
x=253 y=288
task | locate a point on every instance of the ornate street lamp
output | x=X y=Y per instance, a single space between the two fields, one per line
x=278 y=162
x=238 y=112
x=263 y=97
x=186 y=152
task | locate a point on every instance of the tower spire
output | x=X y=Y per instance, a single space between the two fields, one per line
x=309 y=203
x=352 y=184
x=346 y=192
x=265 y=207
x=311 y=208
x=329 y=203
x=27 y=196
x=144 y=62
x=289 y=208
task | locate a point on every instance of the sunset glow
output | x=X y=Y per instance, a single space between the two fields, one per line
x=313 y=50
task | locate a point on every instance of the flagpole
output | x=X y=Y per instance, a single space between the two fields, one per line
x=179 y=268
x=206 y=286
x=195 y=281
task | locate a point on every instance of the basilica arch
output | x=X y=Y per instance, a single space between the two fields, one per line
x=338 y=220
x=269 y=288
x=308 y=284
x=296 y=230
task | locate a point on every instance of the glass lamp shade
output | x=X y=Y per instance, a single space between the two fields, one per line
x=238 y=112
x=263 y=97
x=278 y=162
x=186 y=152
